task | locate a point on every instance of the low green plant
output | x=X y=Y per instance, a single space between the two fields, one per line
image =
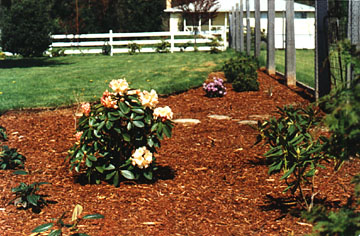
x=214 y=44
x=241 y=71
x=26 y=195
x=106 y=49
x=57 y=52
x=162 y=47
x=183 y=46
x=58 y=226
x=133 y=47
x=294 y=150
x=3 y=136
x=10 y=158
x=118 y=136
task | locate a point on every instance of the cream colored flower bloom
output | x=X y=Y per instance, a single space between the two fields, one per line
x=133 y=92
x=119 y=86
x=141 y=158
x=149 y=99
x=163 y=112
x=85 y=108
x=78 y=136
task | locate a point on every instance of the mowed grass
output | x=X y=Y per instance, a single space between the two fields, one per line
x=305 y=65
x=62 y=81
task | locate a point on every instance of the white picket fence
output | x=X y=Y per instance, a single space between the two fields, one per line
x=97 y=41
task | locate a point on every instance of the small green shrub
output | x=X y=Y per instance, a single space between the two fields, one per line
x=26 y=195
x=163 y=47
x=214 y=44
x=10 y=158
x=118 y=136
x=183 y=46
x=241 y=71
x=133 y=47
x=59 y=224
x=106 y=49
x=293 y=148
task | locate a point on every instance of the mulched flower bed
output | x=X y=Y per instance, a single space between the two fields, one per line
x=212 y=180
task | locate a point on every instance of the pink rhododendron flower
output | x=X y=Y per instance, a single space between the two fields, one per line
x=108 y=102
x=149 y=99
x=119 y=86
x=163 y=112
x=142 y=158
x=85 y=109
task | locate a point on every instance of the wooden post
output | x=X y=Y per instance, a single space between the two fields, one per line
x=111 y=41
x=290 y=51
x=237 y=28
x=270 y=59
x=172 y=41
x=353 y=34
x=322 y=67
x=241 y=21
x=257 y=28
x=232 y=28
x=248 y=29
x=224 y=37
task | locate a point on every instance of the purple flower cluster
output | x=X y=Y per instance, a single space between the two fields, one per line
x=215 y=89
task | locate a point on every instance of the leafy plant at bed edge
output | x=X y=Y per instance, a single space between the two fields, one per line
x=26 y=195
x=119 y=136
x=9 y=157
x=133 y=47
x=293 y=149
x=60 y=225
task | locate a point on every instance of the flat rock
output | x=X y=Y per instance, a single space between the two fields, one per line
x=219 y=117
x=187 y=121
x=260 y=117
x=247 y=122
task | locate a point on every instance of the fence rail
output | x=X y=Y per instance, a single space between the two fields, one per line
x=148 y=45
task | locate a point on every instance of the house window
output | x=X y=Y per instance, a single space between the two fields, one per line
x=300 y=15
x=263 y=15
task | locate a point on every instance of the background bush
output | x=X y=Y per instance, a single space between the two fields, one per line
x=241 y=71
x=26 y=28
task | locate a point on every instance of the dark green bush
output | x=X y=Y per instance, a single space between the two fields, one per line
x=241 y=71
x=26 y=28
x=163 y=47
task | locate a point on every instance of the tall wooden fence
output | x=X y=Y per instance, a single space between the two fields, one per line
x=322 y=68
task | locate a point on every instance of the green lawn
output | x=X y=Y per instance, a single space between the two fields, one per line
x=53 y=82
x=305 y=65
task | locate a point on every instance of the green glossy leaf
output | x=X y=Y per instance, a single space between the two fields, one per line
x=56 y=232
x=124 y=108
x=138 y=124
x=110 y=175
x=289 y=172
x=33 y=199
x=91 y=158
x=88 y=162
x=43 y=228
x=116 y=179
x=109 y=125
x=20 y=172
x=110 y=167
x=100 y=169
x=93 y=216
x=96 y=133
x=154 y=127
x=129 y=126
x=167 y=131
x=138 y=110
x=127 y=174
x=126 y=137
x=150 y=142
x=276 y=166
x=148 y=175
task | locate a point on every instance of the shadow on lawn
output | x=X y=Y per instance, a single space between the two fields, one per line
x=29 y=62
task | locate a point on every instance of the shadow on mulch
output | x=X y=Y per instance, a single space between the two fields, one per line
x=162 y=173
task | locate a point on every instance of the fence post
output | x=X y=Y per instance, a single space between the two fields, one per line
x=224 y=36
x=257 y=29
x=172 y=41
x=248 y=29
x=242 y=48
x=270 y=59
x=322 y=67
x=111 y=40
x=237 y=28
x=353 y=34
x=232 y=28
x=290 y=51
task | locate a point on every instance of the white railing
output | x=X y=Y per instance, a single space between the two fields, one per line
x=96 y=42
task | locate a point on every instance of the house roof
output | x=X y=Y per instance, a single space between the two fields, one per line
x=280 y=5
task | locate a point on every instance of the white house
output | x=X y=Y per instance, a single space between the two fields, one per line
x=304 y=21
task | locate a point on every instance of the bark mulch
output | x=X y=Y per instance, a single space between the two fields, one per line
x=212 y=180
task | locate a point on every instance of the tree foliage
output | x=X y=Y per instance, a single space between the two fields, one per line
x=26 y=28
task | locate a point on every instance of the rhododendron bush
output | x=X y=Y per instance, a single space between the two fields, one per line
x=117 y=137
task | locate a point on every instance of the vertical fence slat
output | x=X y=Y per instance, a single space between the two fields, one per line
x=257 y=28
x=290 y=51
x=270 y=60
x=237 y=28
x=322 y=67
x=232 y=28
x=241 y=21
x=248 y=29
x=111 y=40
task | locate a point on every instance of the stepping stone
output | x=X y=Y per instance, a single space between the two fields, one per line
x=260 y=117
x=219 y=117
x=187 y=121
x=247 y=122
